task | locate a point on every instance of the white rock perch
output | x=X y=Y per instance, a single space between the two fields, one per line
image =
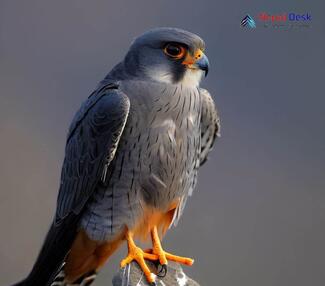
x=132 y=275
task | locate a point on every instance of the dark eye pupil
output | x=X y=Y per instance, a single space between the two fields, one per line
x=173 y=50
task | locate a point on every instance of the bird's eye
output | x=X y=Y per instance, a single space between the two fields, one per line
x=174 y=50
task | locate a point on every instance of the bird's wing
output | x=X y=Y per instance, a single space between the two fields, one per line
x=91 y=144
x=210 y=125
x=210 y=130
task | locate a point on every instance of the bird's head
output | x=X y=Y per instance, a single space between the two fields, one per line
x=168 y=55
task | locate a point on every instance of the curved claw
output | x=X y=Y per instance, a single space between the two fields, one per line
x=163 y=271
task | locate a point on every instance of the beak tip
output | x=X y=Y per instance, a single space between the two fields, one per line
x=203 y=64
x=206 y=72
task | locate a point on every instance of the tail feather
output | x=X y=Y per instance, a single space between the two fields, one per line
x=51 y=257
x=85 y=280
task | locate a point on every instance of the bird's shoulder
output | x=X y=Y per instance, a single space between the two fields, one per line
x=105 y=98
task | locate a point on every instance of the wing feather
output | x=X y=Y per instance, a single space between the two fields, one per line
x=210 y=130
x=210 y=125
x=92 y=142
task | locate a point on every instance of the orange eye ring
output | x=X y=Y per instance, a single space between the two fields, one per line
x=174 y=51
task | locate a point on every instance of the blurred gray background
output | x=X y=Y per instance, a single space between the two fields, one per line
x=257 y=217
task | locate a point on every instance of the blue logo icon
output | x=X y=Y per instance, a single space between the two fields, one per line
x=248 y=21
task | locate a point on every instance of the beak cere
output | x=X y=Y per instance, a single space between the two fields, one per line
x=198 y=61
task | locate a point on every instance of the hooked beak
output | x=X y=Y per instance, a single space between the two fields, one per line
x=198 y=61
x=203 y=64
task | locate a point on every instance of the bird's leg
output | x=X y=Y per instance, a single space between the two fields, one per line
x=163 y=256
x=137 y=254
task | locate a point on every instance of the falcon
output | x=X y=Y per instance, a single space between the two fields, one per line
x=132 y=156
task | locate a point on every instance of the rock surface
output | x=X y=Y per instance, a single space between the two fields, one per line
x=131 y=275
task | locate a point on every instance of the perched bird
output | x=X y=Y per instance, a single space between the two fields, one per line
x=132 y=156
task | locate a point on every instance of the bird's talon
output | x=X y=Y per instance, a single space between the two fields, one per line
x=152 y=279
x=163 y=255
x=163 y=271
x=135 y=253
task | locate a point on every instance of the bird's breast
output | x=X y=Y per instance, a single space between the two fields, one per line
x=163 y=129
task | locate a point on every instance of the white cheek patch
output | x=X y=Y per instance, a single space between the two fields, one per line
x=192 y=77
x=161 y=75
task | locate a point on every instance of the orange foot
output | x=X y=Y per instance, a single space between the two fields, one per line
x=154 y=254
x=137 y=254
x=164 y=256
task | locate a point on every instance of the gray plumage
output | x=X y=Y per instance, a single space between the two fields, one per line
x=138 y=140
x=156 y=160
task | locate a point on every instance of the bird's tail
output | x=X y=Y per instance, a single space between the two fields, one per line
x=85 y=280
x=51 y=257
